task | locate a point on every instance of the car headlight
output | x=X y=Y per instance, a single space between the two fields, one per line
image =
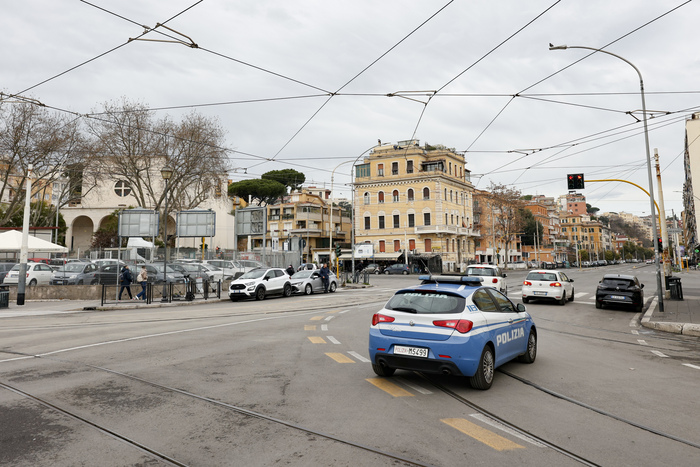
x=73 y=276
x=249 y=284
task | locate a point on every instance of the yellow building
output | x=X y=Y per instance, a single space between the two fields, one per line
x=416 y=198
x=591 y=236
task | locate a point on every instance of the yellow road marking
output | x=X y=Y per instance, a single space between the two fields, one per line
x=317 y=340
x=389 y=387
x=332 y=311
x=309 y=327
x=499 y=443
x=317 y=318
x=340 y=358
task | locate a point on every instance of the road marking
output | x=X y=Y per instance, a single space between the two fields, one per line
x=633 y=321
x=333 y=340
x=317 y=318
x=635 y=332
x=489 y=438
x=659 y=354
x=415 y=387
x=691 y=366
x=344 y=311
x=309 y=327
x=328 y=318
x=642 y=341
x=324 y=327
x=359 y=357
x=317 y=340
x=581 y=294
x=389 y=387
x=340 y=358
x=502 y=427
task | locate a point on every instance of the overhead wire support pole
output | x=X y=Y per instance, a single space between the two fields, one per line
x=659 y=285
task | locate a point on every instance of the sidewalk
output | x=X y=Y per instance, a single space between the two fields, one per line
x=679 y=316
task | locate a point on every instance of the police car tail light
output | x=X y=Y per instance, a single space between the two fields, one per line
x=494 y=280
x=527 y=283
x=462 y=326
x=379 y=318
x=555 y=284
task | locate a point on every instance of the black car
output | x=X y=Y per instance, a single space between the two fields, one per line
x=108 y=274
x=397 y=268
x=619 y=289
x=4 y=269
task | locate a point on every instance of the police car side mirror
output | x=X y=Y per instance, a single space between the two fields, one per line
x=520 y=307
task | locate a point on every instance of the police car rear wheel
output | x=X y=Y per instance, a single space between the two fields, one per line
x=381 y=370
x=483 y=379
x=531 y=352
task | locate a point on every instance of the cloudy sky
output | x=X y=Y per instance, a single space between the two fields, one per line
x=312 y=84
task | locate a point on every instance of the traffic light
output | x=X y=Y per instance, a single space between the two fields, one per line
x=660 y=244
x=337 y=251
x=575 y=182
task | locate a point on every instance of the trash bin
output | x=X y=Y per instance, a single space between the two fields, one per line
x=674 y=284
x=4 y=296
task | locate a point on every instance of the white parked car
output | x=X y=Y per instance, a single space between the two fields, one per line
x=548 y=285
x=37 y=274
x=491 y=276
x=260 y=283
x=215 y=273
x=231 y=268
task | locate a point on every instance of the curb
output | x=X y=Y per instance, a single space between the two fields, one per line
x=686 y=329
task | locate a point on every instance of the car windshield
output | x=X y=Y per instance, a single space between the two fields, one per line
x=541 y=276
x=481 y=272
x=254 y=274
x=72 y=267
x=623 y=283
x=302 y=274
x=159 y=268
x=426 y=302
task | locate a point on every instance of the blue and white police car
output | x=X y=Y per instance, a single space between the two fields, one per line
x=451 y=325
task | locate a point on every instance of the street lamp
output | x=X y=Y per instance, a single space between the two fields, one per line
x=646 y=140
x=166 y=172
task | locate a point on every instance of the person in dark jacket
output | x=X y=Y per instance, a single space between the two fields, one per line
x=290 y=270
x=125 y=281
x=324 y=272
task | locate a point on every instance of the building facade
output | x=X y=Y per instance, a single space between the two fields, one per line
x=417 y=199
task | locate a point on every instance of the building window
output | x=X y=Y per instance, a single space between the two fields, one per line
x=122 y=188
x=367 y=223
x=362 y=171
x=397 y=245
x=411 y=220
x=426 y=193
x=397 y=221
x=450 y=168
x=428 y=245
x=380 y=197
x=382 y=246
x=395 y=196
x=450 y=196
x=409 y=167
x=426 y=218
x=394 y=168
x=380 y=170
x=445 y=198
x=447 y=245
x=410 y=194
x=452 y=219
x=411 y=244
x=366 y=197
x=381 y=222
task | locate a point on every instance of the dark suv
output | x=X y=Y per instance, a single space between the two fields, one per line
x=618 y=289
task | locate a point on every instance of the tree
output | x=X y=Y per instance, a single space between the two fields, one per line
x=290 y=178
x=107 y=236
x=264 y=191
x=52 y=144
x=505 y=204
x=532 y=228
x=130 y=144
x=591 y=210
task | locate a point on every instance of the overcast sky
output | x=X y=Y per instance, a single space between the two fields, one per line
x=310 y=85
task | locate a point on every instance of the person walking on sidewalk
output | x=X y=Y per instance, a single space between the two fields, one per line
x=142 y=279
x=324 y=272
x=126 y=280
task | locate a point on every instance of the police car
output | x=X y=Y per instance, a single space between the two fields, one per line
x=451 y=325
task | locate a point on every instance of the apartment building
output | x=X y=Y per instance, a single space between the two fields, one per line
x=415 y=198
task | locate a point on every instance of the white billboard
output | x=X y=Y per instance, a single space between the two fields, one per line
x=364 y=250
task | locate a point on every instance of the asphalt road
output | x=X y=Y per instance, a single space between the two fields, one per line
x=286 y=381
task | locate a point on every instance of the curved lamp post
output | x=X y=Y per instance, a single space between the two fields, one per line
x=646 y=140
x=166 y=172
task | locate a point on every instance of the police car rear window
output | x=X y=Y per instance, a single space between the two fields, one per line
x=426 y=302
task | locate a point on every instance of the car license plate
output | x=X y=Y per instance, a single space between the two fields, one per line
x=540 y=293
x=236 y=291
x=617 y=297
x=412 y=351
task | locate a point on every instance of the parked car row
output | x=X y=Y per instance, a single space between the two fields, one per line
x=262 y=282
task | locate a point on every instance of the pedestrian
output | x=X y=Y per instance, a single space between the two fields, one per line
x=142 y=279
x=290 y=270
x=324 y=273
x=125 y=279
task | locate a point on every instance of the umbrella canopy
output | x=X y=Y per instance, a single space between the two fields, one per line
x=12 y=241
